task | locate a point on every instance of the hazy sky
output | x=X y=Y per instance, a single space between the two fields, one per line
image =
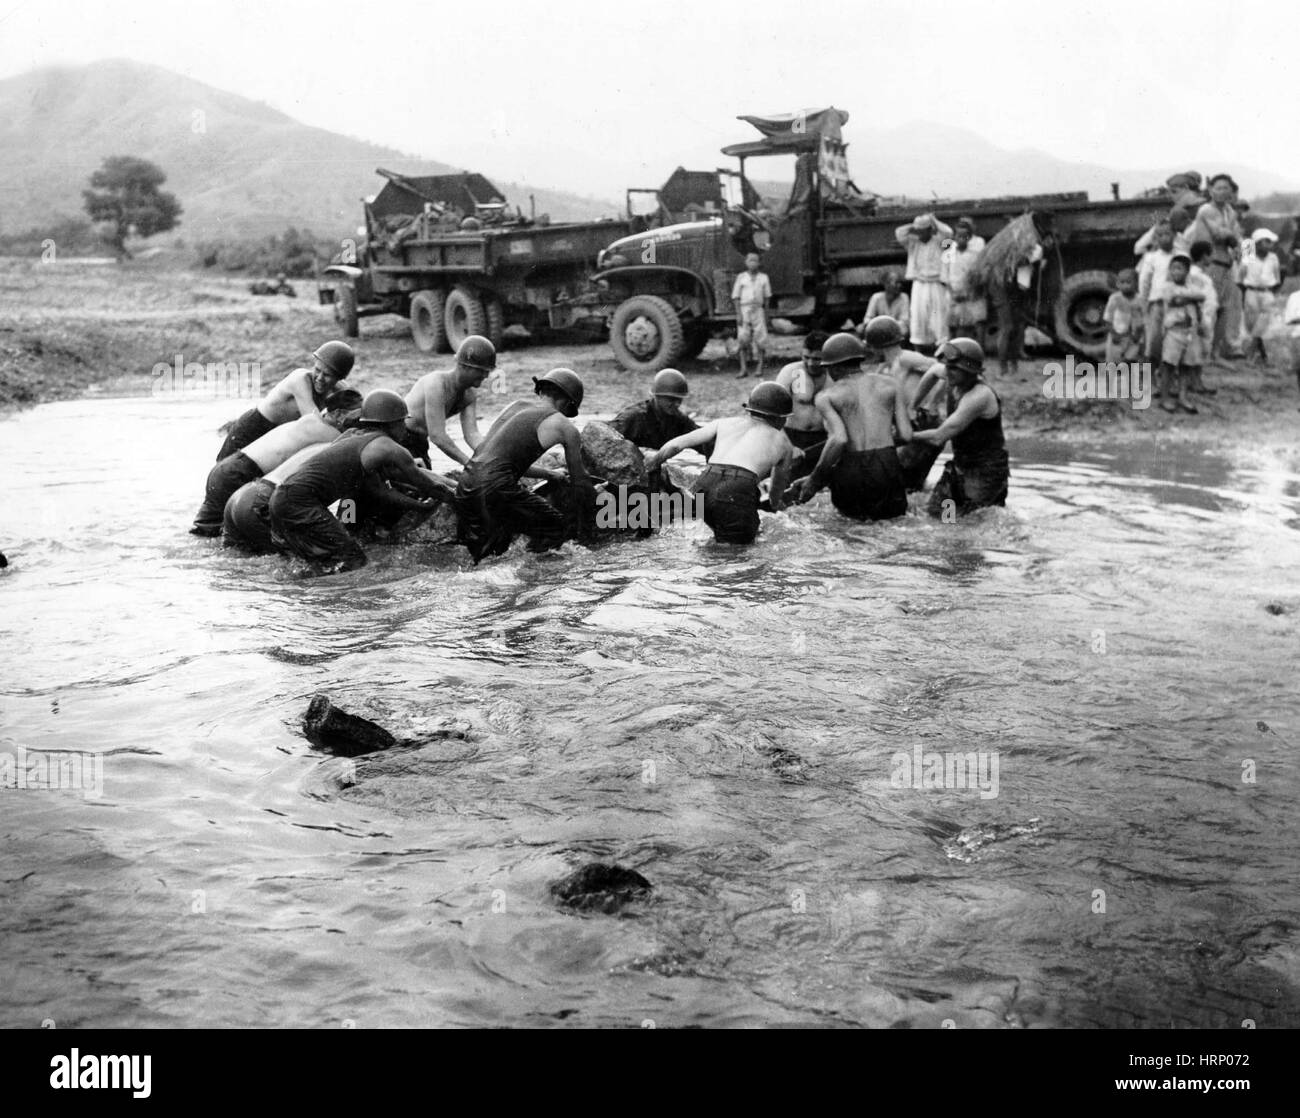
x=585 y=94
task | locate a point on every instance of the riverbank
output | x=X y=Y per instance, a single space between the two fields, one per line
x=76 y=329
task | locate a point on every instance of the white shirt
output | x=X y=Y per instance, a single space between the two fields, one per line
x=751 y=292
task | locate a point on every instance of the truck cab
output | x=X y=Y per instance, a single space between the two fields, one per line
x=671 y=281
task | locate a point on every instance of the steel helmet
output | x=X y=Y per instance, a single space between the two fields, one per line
x=842 y=348
x=477 y=352
x=382 y=406
x=770 y=398
x=669 y=382
x=882 y=332
x=963 y=353
x=566 y=380
x=337 y=357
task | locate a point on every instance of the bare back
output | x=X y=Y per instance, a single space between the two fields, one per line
x=284 y=401
x=284 y=441
x=864 y=403
x=751 y=444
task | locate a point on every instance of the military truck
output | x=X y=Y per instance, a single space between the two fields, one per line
x=827 y=246
x=446 y=252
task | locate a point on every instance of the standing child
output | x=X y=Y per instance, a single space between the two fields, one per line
x=1124 y=318
x=1199 y=277
x=1151 y=278
x=751 y=293
x=1261 y=276
x=1181 y=353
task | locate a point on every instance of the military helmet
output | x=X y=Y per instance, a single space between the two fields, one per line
x=476 y=352
x=669 y=382
x=566 y=380
x=842 y=348
x=382 y=406
x=962 y=353
x=882 y=332
x=337 y=357
x=770 y=398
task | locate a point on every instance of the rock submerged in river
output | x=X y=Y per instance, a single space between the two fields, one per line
x=340 y=733
x=597 y=887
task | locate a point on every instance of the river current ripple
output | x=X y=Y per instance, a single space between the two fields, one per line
x=729 y=722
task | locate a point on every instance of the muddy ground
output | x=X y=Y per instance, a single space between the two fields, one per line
x=76 y=328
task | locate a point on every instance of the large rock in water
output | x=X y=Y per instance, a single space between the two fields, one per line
x=336 y=731
x=608 y=455
x=597 y=887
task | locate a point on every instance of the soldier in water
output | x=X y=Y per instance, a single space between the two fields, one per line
x=301 y=393
x=491 y=506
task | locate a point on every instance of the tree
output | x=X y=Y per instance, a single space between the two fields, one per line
x=124 y=191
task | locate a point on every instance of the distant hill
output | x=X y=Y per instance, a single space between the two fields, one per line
x=239 y=167
x=923 y=160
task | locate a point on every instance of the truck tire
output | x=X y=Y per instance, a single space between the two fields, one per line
x=646 y=334
x=496 y=322
x=464 y=314
x=1079 y=309
x=345 y=310
x=427 y=326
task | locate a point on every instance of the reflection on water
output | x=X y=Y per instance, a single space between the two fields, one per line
x=723 y=720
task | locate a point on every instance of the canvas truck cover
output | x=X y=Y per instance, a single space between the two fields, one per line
x=808 y=130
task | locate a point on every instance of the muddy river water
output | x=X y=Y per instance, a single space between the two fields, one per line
x=774 y=736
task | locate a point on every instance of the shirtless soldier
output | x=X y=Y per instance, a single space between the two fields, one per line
x=301 y=393
x=265 y=454
x=437 y=396
x=804 y=379
x=749 y=448
x=884 y=338
x=859 y=461
x=491 y=506
x=299 y=509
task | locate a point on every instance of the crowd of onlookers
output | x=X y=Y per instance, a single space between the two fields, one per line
x=1199 y=292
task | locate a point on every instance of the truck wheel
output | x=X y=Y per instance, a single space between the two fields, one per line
x=496 y=322
x=464 y=315
x=426 y=322
x=646 y=334
x=345 y=310
x=1079 y=309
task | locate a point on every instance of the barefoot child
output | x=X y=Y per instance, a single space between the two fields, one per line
x=1181 y=353
x=1124 y=317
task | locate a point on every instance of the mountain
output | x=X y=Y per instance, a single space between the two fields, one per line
x=239 y=168
x=923 y=160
